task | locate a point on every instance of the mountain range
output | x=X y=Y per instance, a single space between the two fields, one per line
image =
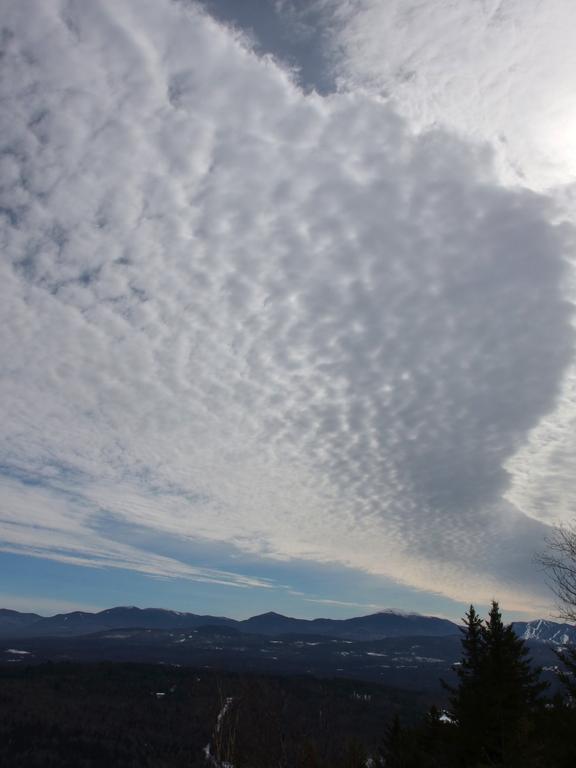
x=376 y=626
x=385 y=624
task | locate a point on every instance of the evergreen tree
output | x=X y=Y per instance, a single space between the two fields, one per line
x=568 y=676
x=309 y=757
x=355 y=755
x=393 y=752
x=512 y=686
x=436 y=747
x=464 y=698
x=498 y=691
x=468 y=699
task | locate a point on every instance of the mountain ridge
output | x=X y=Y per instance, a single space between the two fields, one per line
x=372 y=626
x=383 y=624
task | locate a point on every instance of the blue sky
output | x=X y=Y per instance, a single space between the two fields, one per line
x=48 y=587
x=287 y=304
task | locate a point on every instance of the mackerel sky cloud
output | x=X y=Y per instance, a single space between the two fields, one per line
x=243 y=313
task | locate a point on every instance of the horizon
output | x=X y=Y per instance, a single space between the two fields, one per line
x=287 y=304
x=387 y=611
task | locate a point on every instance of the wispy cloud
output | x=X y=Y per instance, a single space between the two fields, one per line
x=343 y=603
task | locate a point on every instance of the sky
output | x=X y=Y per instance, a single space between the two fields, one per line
x=286 y=304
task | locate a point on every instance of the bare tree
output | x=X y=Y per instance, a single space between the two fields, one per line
x=559 y=560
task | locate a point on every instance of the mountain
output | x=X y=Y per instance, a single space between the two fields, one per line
x=377 y=626
x=388 y=624
x=546 y=631
x=272 y=623
x=16 y=621
x=84 y=623
x=372 y=627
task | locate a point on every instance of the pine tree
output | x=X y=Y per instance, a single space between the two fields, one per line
x=309 y=757
x=392 y=751
x=468 y=700
x=498 y=691
x=512 y=683
x=464 y=701
x=568 y=657
x=509 y=668
x=355 y=756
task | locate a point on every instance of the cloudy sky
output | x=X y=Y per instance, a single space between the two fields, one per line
x=286 y=303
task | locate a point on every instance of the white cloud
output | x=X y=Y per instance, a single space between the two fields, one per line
x=343 y=603
x=498 y=70
x=233 y=312
x=40 y=522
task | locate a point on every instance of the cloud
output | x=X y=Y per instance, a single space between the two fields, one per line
x=64 y=526
x=343 y=603
x=238 y=313
x=500 y=72
x=496 y=70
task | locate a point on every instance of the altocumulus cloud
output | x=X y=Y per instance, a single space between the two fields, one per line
x=238 y=313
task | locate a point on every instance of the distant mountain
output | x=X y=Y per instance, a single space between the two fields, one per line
x=16 y=621
x=85 y=623
x=159 y=618
x=372 y=627
x=377 y=626
x=546 y=631
x=388 y=624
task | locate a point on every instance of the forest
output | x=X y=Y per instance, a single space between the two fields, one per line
x=496 y=712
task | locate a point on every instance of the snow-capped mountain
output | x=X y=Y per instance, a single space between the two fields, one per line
x=546 y=631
